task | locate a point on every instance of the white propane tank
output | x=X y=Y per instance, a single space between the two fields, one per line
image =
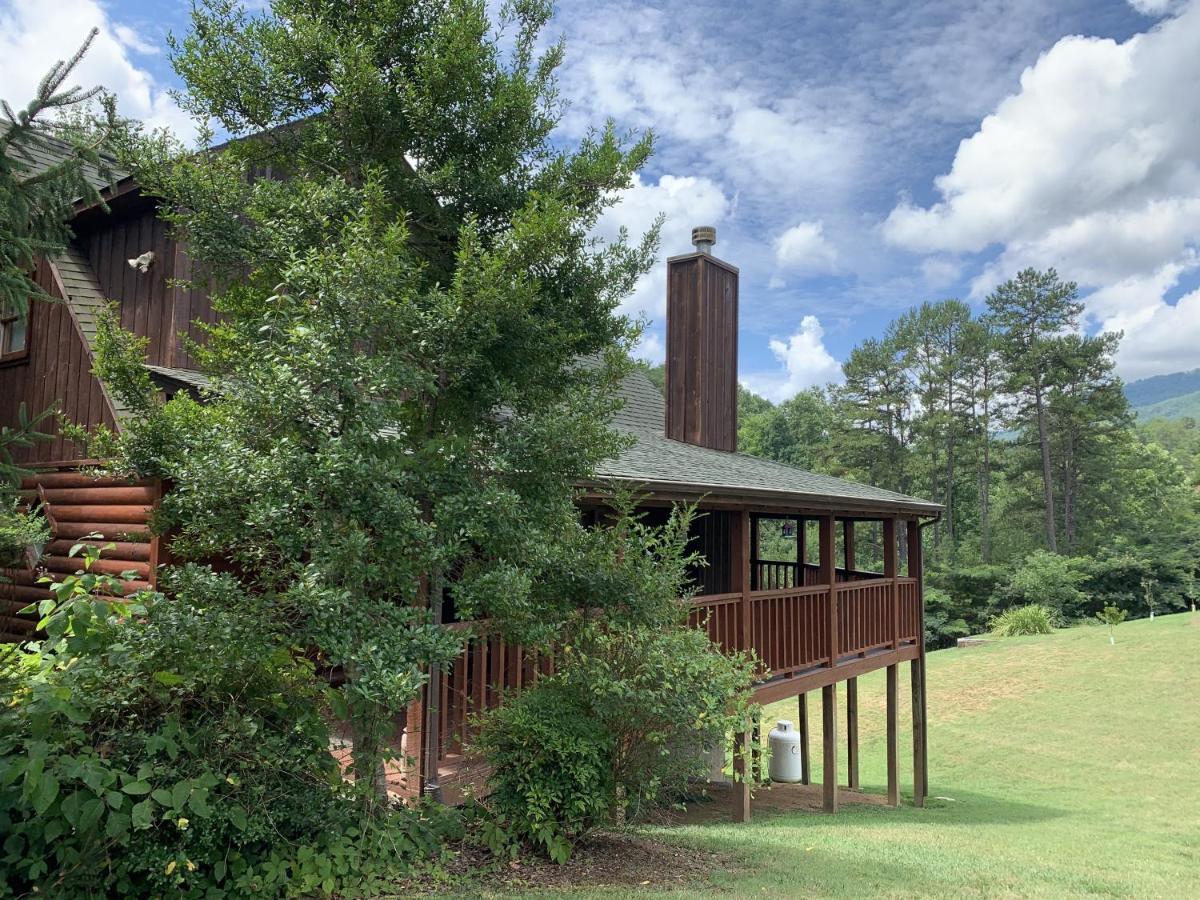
x=786 y=752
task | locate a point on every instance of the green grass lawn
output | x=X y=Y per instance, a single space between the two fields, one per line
x=1059 y=766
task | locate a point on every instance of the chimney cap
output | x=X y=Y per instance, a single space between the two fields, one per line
x=703 y=237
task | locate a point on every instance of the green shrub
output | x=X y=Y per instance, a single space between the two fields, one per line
x=1032 y=619
x=175 y=746
x=1050 y=580
x=947 y=618
x=616 y=730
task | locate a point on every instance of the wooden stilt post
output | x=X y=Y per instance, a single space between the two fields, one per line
x=852 y=734
x=741 y=777
x=918 y=717
x=849 y=555
x=829 y=740
x=756 y=766
x=741 y=583
x=806 y=758
x=916 y=569
x=893 y=754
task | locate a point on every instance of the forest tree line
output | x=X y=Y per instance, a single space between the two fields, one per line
x=1016 y=421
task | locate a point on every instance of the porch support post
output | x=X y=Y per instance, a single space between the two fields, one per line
x=891 y=570
x=805 y=758
x=829 y=741
x=918 y=714
x=852 y=733
x=916 y=569
x=829 y=577
x=741 y=584
x=848 y=556
x=741 y=777
x=893 y=754
x=741 y=575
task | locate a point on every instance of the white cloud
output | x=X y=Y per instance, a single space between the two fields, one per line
x=685 y=201
x=805 y=362
x=940 y=271
x=1157 y=7
x=1090 y=167
x=34 y=35
x=804 y=248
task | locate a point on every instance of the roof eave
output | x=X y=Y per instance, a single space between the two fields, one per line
x=730 y=495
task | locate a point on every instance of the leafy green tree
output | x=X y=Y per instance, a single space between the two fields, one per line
x=1112 y=616
x=1031 y=312
x=418 y=349
x=797 y=431
x=875 y=410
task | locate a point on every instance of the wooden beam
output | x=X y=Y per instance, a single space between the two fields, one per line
x=891 y=570
x=829 y=741
x=741 y=777
x=805 y=759
x=849 y=557
x=756 y=755
x=801 y=546
x=916 y=569
x=918 y=729
x=852 y=733
x=893 y=754
x=828 y=576
x=784 y=688
x=741 y=575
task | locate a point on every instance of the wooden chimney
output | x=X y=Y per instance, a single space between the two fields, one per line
x=702 y=346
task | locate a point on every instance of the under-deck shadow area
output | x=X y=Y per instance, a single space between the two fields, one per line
x=865 y=808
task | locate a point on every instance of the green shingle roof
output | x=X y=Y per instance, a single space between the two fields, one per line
x=660 y=464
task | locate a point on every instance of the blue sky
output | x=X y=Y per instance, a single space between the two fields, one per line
x=856 y=158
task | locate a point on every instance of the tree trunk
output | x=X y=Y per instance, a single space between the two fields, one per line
x=367 y=733
x=985 y=496
x=1047 y=481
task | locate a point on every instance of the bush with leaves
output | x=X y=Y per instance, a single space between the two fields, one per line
x=1024 y=620
x=1112 y=616
x=154 y=746
x=1047 y=579
x=635 y=697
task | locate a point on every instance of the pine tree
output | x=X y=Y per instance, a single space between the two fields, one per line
x=47 y=164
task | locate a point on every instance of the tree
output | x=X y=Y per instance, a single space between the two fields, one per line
x=1032 y=311
x=874 y=407
x=418 y=350
x=36 y=199
x=934 y=338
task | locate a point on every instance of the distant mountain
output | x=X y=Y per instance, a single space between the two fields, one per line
x=1185 y=406
x=1149 y=394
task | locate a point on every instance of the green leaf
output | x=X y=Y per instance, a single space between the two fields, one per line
x=170 y=679
x=142 y=814
x=47 y=793
x=137 y=788
x=89 y=814
x=118 y=825
x=179 y=794
x=162 y=796
x=237 y=815
x=199 y=803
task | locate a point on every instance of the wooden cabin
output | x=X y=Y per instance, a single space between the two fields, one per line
x=819 y=576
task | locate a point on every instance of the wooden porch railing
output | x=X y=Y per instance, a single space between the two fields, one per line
x=790 y=628
x=770 y=574
x=789 y=631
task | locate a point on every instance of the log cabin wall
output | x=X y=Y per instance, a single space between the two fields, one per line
x=78 y=505
x=702 y=351
x=55 y=371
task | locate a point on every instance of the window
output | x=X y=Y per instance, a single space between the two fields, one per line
x=14 y=335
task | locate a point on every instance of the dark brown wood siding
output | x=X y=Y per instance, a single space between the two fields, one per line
x=702 y=350
x=151 y=306
x=57 y=372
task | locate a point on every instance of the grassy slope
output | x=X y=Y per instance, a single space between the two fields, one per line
x=1072 y=768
